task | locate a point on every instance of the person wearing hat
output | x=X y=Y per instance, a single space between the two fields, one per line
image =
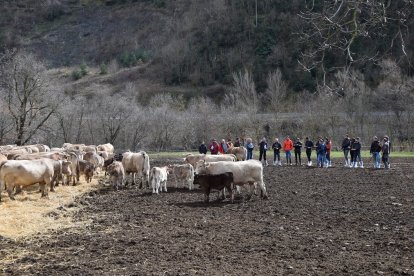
x=385 y=153
x=375 y=152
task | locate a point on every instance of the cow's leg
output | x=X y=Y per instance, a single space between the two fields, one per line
x=52 y=184
x=165 y=185
x=230 y=188
x=10 y=188
x=207 y=194
x=263 y=192
x=43 y=189
x=18 y=190
x=176 y=181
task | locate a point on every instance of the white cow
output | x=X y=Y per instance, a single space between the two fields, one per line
x=183 y=173
x=106 y=147
x=137 y=163
x=194 y=158
x=244 y=172
x=158 y=179
x=22 y=173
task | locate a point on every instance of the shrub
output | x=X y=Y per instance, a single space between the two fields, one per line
x=76 y=74
x=128 y=59
x=83 y=69
x=103 y=69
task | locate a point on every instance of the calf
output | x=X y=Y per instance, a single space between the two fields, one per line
x=183 y=173
x=158 y=179
x=215 y=181
x=87 y=169
x=117 y=174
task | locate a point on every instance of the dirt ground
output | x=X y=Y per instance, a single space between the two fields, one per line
x=316 y=221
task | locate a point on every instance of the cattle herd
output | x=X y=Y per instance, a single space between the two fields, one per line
x=22 y=166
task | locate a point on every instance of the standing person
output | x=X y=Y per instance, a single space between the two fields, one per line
x=317 y=144
x=328 y=151
x=287 y=147
x=214 y=147
x=229 y=144
x=202 y=148
x=356 y=149
x=346 y=147
x=389 y=149
x=237 y=142
x=223 y=147
x=321 y=150
x=386 y=152
x=249 y=147
x=263 y=150
x=276 y=152
x=352 y=152
x=375 y=151
x=308 y=147
x=298 y=151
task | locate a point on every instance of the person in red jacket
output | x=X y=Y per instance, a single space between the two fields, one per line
x=328 y=152
x=287 y=147
x=214 y=147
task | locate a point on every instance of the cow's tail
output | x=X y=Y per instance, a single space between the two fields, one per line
x=146 y=167
x=2 y=185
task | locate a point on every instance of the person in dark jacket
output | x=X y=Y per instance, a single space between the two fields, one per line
x=375 y=152
x=276 y=152
x=321 y=151
x=385 y=153
x=237 y=142
x=356 y=149
x=298 y=151
x=262 y=151
x=346 y=147
x=202 y=148
x=308 y=148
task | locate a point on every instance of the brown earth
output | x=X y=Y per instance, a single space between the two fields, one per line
x=316 y=221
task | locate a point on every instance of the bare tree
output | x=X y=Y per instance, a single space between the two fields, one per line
x=337 y=28
x=276 y=91
x=29 y=97
x=243 y=96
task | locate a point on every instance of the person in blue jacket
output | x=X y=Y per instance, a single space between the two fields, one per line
x=249 y=147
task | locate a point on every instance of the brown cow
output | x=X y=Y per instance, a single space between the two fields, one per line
x=117 y=174
x=87 y=169
x=215 y=181
x=239 y=152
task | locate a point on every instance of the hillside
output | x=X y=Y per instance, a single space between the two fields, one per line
x=199 y=43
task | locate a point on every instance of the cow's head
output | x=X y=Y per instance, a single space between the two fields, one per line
x=66 y=167
x=201 y=167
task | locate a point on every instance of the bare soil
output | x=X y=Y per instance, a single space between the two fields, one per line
x=316 y=221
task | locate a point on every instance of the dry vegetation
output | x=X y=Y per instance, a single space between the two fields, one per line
x=29 y=215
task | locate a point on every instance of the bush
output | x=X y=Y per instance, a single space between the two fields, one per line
x=76 y=74
x=129 y=59
x=103 y=69
x=83 y=69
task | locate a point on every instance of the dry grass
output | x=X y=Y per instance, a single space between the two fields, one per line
x=29 y=214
